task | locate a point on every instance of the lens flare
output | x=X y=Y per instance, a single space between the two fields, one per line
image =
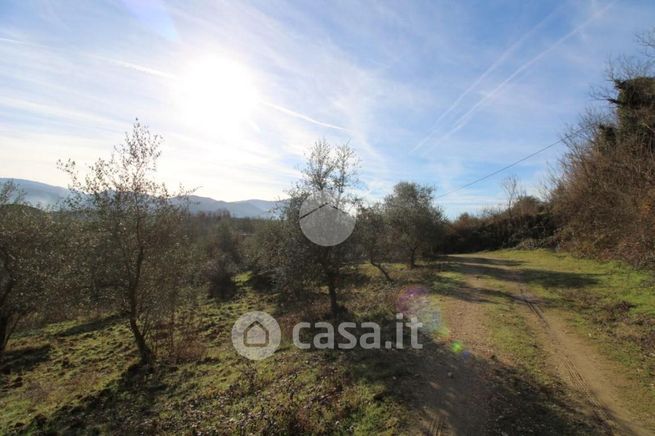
x=415 y=301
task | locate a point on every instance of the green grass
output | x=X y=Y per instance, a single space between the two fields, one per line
x=78 y=376
x=508 y=330
x=560 y=276
x=512 y=336
x=610 y=303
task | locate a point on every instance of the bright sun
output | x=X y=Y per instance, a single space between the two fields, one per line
x=217 y=96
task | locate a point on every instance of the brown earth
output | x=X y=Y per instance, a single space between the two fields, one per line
x=482 y=390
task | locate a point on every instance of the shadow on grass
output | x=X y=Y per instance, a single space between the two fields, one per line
x=483 y=260
x=464 y=393
x=456 y=387
x=436 y=382
x=431 y=279
x=261 y=283
x=24 y=359
x=547 y=279
x=92 y=325
x=564 y=283
x=555 y=279
x=121 y=408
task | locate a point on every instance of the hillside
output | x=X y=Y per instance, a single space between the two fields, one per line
x=47 y=196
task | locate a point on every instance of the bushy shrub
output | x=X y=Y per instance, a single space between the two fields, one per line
x=220 y=272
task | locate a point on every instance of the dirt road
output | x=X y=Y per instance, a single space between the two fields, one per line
x=568 y=387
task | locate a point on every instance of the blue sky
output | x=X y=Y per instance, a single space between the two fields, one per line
x=438 y=92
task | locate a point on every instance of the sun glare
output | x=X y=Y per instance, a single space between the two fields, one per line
x=217 y=96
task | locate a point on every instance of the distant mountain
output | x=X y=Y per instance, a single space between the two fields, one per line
x=44 y=196
x=237 y=209
x=40 y=194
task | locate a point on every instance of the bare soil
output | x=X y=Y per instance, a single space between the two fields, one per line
x=466 y=409
x=481 y=390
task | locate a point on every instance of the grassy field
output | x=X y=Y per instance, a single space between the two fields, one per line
x=80 y=376
x=609 y=303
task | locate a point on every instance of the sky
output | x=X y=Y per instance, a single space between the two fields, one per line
x=437 y=92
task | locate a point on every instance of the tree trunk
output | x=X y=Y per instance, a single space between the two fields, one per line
x=5 y=327
x=4 y=334
x=382 y=270
x=412 y=258
x=332 y=289
x=144 y=351
x=330 y=272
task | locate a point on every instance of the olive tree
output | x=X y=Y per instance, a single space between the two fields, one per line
x=32 y=261
x=296 y=261
x=373 y=236
x=414 y=222
x=135 y=232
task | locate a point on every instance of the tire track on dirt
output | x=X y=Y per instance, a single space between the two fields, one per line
x=572 y=358
x=574 y=377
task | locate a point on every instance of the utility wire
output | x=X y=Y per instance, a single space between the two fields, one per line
x=541 y=150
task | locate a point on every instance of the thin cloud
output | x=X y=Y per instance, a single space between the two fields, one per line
x=350 y=73
x=17 y=41
x=165 y=75
x=464 y=119
x=58 y=112
x=304 y=117
x=136 y=67
x=117 y=62
x=162 y=74
x=484 y=75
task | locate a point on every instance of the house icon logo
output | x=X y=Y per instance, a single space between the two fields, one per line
x=256 y=335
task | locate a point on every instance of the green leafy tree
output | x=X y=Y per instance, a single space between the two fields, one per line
x=135 y=233
x=295 y=261
x=373 y=237
x=32 y=261
x=416 y=225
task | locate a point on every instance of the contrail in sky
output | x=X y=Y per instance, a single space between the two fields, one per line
x=158 y=73
x=136 y=67
x=463 y=120
x=304 y=117
x=278 y=108
x=483 y=76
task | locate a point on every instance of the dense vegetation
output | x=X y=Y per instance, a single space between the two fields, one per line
x=601 y=202
x=154 y=280
x=122 y=245
x=605 y=198
x=526 y=221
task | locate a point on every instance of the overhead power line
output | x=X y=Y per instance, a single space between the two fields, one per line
x=541 y=150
